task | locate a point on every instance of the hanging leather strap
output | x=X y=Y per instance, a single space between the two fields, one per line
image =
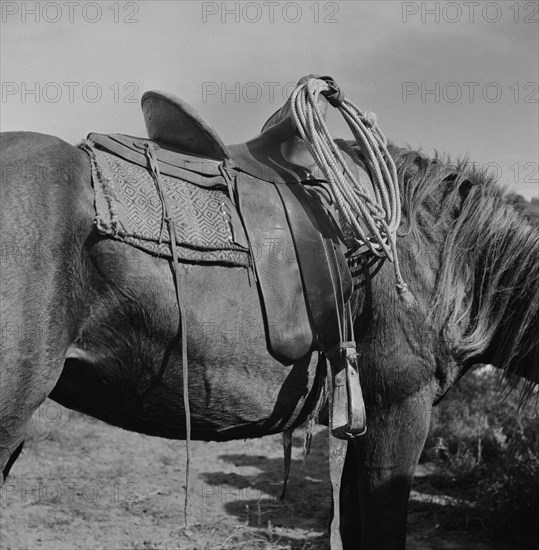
x=337 y=455
x=287 y=448
x=167 y=219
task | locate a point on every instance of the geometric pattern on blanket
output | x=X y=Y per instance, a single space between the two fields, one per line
x=129 y=209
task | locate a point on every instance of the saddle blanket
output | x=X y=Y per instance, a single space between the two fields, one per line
x=129 y=209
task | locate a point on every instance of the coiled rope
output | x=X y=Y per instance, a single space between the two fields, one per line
x=381 y=215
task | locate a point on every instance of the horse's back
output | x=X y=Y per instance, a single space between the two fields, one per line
x=45 y=217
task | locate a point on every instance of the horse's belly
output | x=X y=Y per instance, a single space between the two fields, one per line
x=126 y=365
x=225 y=403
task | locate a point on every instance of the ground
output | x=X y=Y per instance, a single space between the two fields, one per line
x=81 y=484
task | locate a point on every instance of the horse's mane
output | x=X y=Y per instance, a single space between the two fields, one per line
x=487 y=293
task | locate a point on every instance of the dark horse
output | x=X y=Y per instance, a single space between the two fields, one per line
x=93 y=324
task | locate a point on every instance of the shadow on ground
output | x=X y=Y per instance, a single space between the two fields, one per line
x=436 y=520
x=254 y=498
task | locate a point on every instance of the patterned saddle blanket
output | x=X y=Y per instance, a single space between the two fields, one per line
x=129 y=209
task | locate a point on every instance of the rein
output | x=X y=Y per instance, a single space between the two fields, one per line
x=381 y=215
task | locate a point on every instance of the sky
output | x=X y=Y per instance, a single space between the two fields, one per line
x=460 y=78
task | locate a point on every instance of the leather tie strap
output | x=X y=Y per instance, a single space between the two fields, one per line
x=337 y=456
x=334 y=95
x=154 y=169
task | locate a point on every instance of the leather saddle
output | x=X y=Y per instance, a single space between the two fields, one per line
x=296 y=244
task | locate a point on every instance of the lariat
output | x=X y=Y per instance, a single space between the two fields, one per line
x=381 y=214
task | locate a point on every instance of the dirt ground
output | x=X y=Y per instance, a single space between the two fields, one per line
x=81 y=484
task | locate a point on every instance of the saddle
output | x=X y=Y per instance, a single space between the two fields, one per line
x=295 y=242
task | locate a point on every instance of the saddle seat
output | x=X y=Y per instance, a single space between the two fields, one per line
x=276 y=155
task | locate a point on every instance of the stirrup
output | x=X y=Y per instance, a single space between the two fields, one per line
x=347 y=417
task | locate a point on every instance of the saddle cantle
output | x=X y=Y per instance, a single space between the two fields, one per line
x=278 y=213
x=172 y=121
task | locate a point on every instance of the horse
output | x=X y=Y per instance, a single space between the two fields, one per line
x=92 y=323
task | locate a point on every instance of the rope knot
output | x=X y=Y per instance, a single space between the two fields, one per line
x=370 y=120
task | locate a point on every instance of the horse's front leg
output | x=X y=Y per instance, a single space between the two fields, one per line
x=386 y=458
